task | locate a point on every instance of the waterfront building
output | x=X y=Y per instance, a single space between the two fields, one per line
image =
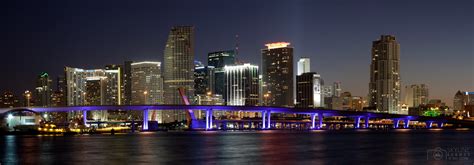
x=204 y=80
x=178 y=71
x=241 y=82
x=416 y=94
x=147 y=87
x=43 y=90
x=384 y=86
x=219 y=60
x=277 y=74
x=308 y=90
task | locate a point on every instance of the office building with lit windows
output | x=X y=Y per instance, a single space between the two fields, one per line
x=309 y=92
x=178 y=70
x=218 y=60
x=277 y=74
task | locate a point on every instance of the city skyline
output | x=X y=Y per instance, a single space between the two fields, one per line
x=420 y=53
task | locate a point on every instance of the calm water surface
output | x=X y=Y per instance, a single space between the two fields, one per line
x=261 y=147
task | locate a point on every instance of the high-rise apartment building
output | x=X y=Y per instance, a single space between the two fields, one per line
x=416 y=94
x=277 y=74
x=146 y=83
x=147 y=87
x=384 y=86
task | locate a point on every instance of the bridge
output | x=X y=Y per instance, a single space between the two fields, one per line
x=317 y=115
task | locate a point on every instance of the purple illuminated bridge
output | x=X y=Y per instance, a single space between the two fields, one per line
x=317 y=115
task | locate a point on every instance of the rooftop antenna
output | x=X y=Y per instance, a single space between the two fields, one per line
x=236 y=49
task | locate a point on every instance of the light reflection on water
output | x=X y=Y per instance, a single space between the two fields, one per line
x=399 y=146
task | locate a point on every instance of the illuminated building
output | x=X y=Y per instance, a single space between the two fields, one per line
x=204 y=80
x=241 y=82
x=416 y=94
x=277 y=74
x=308 y=90
x=113 y=95
x=303 y=65
x=218 y=60
x=178 y=69
x=147 y=86
x=43 y=90
x=95 y=94
x=357 y=103
x=76 y=83
x=127 y=83
x=346 y=98
x=8 y=100
x=337 y=88
x=209 y=99
x=384 y=86
x=459 y=101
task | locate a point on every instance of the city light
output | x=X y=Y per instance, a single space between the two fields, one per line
x=276 y=45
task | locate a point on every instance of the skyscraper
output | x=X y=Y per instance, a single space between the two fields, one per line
x=309 y=92
x=178 y=69
x=127 y=83
x=303 y=65
x=113 y=95
x=416 y=94
x=147 y=87
x=384 y=86
x=204 y=80
x=277 y=72
x=43 y=90
x=241 y=82
x=147 y=83
x=337 y=88
x=77 y=81
x=218 y=60
x=459 y=101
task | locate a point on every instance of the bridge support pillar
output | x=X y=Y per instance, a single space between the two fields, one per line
x=320 y=121
x=407 y=123
x=264 y=116
x=269 y=114
x=84 y=117
x=209 y=119
x=367 y=118
x=440 y=124
x=357 y=122
x=313 y=121
x=395 y=123
x=145 y=120
x=429 y=124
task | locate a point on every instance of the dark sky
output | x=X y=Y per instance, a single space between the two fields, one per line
x=436 y=37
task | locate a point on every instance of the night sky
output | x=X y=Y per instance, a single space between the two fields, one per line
x=436 y=37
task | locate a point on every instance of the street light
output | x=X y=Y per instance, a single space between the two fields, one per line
x=28 y=96
x=266 y=95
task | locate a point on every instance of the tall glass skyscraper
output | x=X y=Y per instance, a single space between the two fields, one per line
x=277 y=72
x=178 y=69
x=218 y=60
x=384 y=86
x=43 y=91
